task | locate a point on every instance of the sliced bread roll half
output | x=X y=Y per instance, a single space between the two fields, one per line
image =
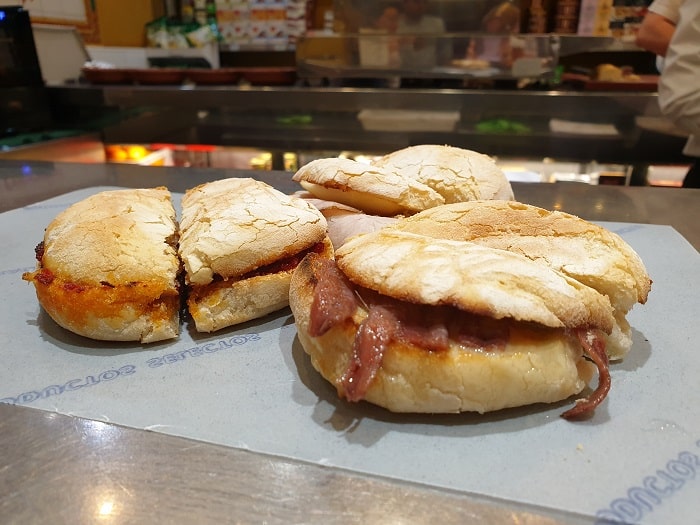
x=108 y=267
x=240 y=242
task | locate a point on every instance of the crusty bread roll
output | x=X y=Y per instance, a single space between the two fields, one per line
x=608 y=73
x=418 y=324
x=406 y=181
x=471 y=63
x=240 y=241
x=108 y=267
x=371 y=189
x=580 y=249
x=497 y=283
x=455 y=173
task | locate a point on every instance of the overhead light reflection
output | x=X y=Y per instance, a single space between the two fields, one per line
x=99 y=433
x=106 y=509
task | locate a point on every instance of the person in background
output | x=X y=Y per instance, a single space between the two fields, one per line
x=389 y=19
x=420 y=52
x=503 y=19
x=679 y=97
x=657 y=28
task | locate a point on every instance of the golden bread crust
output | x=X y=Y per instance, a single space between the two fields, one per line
x=580 y=249
x=585 y=251
x=109 y=268
x=232 y=226
x=370 y=189
x=455 y=173
x=474 y=278
x=139 y=312
x=116 y=236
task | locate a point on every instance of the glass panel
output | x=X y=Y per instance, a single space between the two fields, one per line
x=454 y=15
x=372 y=53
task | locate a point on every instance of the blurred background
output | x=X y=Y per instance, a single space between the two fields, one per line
x=555 y=91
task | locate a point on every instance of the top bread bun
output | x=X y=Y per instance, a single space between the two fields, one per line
x=373 y=190
x=232 y=226
x=115 y=237
x=582 y=250
x=406 y=181
x=457 y=174
x=495 y=283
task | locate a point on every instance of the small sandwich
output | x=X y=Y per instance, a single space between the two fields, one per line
x=457 y=174
x=371 y=189
x=240 y=241
x=417 y=324
x=406 y=181
x=582 y=250
x=360 y=197
x=108 y=267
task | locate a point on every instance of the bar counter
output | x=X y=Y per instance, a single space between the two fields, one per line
x=65 y=469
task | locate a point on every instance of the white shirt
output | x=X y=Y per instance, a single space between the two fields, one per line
x=667 y=8
x=679 y=96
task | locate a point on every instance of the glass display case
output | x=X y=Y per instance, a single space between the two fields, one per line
x=622 y=128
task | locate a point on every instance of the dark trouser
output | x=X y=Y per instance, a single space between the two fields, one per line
x=692 y=178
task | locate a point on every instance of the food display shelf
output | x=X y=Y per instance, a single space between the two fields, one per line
x=604 y=126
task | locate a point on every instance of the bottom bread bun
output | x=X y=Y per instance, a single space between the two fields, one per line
x=226 y=302
x=488 y=364
x=124 y=313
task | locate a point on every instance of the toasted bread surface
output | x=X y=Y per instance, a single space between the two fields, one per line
x=455 y=173
x=232 y=226
x=371 y=189
x=108 y=267
x=488 y=281
x=585 y=251
x=116 y=236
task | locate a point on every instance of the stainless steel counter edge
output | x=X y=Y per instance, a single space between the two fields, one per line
x=345 y=99
x=63 y=469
